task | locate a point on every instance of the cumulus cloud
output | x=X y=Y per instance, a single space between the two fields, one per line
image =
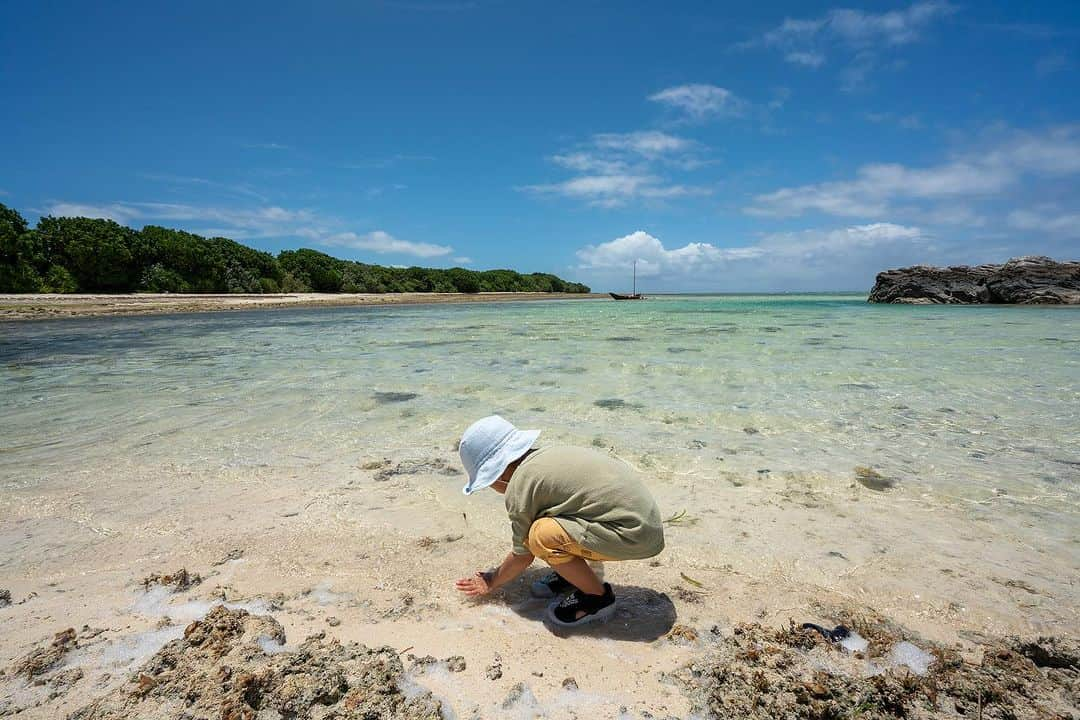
x=384 y=243
x=700 y=102
x=844 y=258
x=616 y=168
x=878 y=188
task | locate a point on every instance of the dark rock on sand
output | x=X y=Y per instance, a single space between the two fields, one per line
x=790 y=672
x=872 y=479
x=5 y=597
x=219 y=671
x=46 y=656
x=455 y=664
x=178 y=581
x=234 y=554
x=615 y=404
x=494 y=670
x=1025 y=280
x=1050 y=652
x=384 y=398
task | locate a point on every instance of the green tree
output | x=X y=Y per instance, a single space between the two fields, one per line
x=97 y=253
x=22 y=256
x=93 y=255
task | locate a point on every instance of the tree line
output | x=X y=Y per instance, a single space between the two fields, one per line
x=78 y=254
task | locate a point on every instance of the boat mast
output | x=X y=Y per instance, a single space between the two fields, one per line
x=635 y=277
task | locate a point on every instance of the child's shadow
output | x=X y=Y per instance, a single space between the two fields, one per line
x=641 y=614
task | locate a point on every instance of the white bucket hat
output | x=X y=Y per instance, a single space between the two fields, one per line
x=488 y=446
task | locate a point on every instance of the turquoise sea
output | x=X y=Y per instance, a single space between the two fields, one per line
x=965 y=404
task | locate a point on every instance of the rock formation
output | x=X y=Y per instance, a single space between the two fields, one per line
x=1030 y=280
x=234 y=666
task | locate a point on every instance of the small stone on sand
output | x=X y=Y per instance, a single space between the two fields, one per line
x=872 y=479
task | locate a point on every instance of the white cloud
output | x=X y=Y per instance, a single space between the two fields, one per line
x=856 y=28
x=257 y=222
x=385 y=244
x=463 y=260
x=858 y=35
x=116 y=212
x=876 y=188
x=1052 y=63
x=807 y=58
x=1048 y=220
x=266 y=146
x=260 y=221
x=588 y=162
x=906 y=122
x=235 y=189
x=648 y=143
x=700 y=101
x=615 y=190
x=844 y=258
x=615 y=168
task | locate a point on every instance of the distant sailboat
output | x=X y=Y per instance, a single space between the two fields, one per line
x=635 y=295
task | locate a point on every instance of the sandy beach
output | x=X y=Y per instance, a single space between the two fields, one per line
x=43 y=305
x=304 y=469
x=361 y=559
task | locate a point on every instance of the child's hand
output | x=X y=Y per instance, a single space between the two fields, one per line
x=474 y=586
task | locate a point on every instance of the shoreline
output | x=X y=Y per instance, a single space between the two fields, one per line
x=16 y=307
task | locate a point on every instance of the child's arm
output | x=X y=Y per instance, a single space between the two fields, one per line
x=484 y=582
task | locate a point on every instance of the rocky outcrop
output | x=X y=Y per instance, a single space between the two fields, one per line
x=761 y=673
x=235 y=666
x=1031 y=280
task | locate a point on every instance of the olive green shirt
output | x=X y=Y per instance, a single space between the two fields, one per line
x=598 y=500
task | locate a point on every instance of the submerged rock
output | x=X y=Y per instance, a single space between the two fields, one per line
x=384 y=398
x=436 y=466
x=1025 y=280
x=218 y=670
x=872 y=479
x=616 y=404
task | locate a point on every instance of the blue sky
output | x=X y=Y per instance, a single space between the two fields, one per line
x=782 y=146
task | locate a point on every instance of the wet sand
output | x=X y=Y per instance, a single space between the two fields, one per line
x=44 y=306
x=367 y=552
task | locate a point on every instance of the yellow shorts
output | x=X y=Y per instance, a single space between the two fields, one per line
x=549 y=542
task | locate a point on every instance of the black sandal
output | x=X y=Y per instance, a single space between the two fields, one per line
x=597 y=608
x=550 y=585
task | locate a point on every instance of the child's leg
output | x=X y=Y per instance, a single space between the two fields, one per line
x=549 y=542
x=578 y=573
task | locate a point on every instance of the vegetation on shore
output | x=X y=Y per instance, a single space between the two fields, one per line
x=67 y=255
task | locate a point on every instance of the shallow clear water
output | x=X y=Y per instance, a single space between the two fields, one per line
x=963 y=402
